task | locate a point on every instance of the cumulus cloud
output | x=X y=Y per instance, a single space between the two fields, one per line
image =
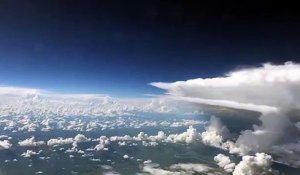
x=260 y=164
x=59 y=141
x=190 y=136
x=5 y=144
x=253 y=165
x=36 y=102
x=214 y=133
x=30 y=142
x=272 y=90
x=30 y=153
x=103 y=142
x=224 y=162
x=213 y=136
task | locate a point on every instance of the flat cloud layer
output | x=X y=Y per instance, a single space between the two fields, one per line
x=269 y=85
x=26 y=101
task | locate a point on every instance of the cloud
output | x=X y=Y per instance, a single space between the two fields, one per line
x=5 y=144
x=224 y=162
x=30 y=153
x=177 y=169
x=190 y=167
x=253 y=165
x=269 y=85
x=103 y=142
x=19 y=91
x=59 y=141
x=31 y=142
x=36 y=102
x=190 y=136
x=214 y=133
x=260 y=164
x=272 y=90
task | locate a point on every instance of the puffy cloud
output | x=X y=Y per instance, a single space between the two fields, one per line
x=36 y=102
x=260 y=164
x=81 y=138
x=213 y=136
x=59 y=141
x=224 y=162
x=74 y=141
x=103 y=142
x=5 y=144
x=214 y=133
x=190 y=136
x=78 y=139
x=125 y=156
x=272 y=90
x=30 y=153
x=253 y=165
x=30 y=142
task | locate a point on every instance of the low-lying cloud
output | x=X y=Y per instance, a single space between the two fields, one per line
x=16 y=101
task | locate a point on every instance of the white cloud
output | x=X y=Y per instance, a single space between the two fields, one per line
x=81 y=138
x=176 y=169
x=36 y=102
x=197 y=168
x=103 y=142
x=154 y=170
x=224 y=162
x=273 y=90
x=30 y=142
x=5 y=144
x=30 y=153
x=253 y=165
x=269 y=85
x=59 y=141
x=190 y=136
x=18 y=91
x=125 y=156
x=214 y=133
x=260 y=164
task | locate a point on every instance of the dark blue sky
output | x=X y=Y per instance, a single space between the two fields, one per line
x=117 y=47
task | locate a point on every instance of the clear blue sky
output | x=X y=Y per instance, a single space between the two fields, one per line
x=117 y=47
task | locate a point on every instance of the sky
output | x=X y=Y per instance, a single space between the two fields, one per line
x=118 y=47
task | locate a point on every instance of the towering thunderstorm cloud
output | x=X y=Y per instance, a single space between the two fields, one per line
x=272 y=90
